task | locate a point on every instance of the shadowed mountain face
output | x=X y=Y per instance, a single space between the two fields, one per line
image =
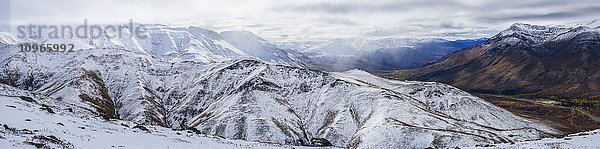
x=524 y=59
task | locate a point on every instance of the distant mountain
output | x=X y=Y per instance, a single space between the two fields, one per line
x=178 y=44
x=524 y=59
x=297 y=45
x=250 y=99
x=258 y=47
x=377 y=55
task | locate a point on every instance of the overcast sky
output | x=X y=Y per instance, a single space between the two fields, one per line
x=279 y=20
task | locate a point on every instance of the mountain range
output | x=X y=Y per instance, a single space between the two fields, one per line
x=238 y=86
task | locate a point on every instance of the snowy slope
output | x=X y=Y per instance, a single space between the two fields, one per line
x=5 y=38
x=50 y=123
x=259 y=47
x=578 y=140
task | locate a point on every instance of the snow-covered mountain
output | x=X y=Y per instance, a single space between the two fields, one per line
x=250 y=99
x=177 y=44
x=184 y=44
x=536 y=35
x=376 y=55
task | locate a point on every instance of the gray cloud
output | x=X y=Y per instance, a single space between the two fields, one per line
x=366 y=6
x=580 y=12
x=458 y=34
x=318 y=20
x=256 y=25
x=338 y=21
x=4 y=14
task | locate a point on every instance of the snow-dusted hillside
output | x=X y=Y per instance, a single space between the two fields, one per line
x=31 y=120
x=578 y=140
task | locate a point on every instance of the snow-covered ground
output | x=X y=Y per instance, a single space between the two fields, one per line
x=590 y=139
x=24 y=124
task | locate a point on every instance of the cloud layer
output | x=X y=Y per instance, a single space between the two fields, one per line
x=278 y=20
